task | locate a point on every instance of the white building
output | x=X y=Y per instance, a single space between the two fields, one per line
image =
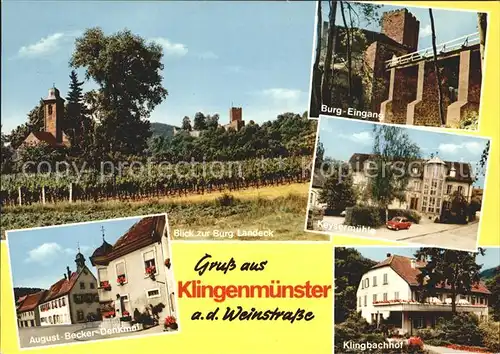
x=28 y=314
x=73 y=299
x=387 y=294
x=432 y=182
x=124 y=282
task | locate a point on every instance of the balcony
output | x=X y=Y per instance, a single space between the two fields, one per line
x=410 y=305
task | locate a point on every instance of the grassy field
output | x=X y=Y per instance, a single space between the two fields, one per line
x=281 y=209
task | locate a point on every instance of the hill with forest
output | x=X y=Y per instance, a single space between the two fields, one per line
x=489 y=273
x=162 y=129
x=22 y=291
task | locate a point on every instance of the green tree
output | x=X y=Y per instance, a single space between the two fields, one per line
x=350 y=266
x=186 y=124
x=393 y=151
x=493 y=286
x=35 y=123
x=200 y=121
x=338 y=192
x=128 y=73
x=457 y=270
x=6 y=155
x=320 y=154
x=212 y=121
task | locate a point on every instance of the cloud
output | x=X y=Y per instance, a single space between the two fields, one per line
x=208 y=55
x=47 y=45
x=426 y=31
x=282 y=93
x=234 y=69
x=472 y=147
x=363 y=138
x=170 y=48
x=44 y=253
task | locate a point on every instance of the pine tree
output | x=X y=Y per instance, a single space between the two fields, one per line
x=75 y=94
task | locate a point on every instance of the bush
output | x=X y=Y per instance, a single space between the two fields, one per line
x=411 y=215
x=364 y=215
x=463 y=329
x=491 y=335
x=225 y=200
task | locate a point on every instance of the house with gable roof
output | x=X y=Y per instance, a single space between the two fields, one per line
x=387 y=294
x=135 y=272
x=72 y=299
x=28 y=314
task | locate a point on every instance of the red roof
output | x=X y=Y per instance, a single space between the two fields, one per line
x=31 y=301
x=21 y=299
x=142 y=229
x=402 y=266
x=61 y=287
x=46 y=137
x=144 y=232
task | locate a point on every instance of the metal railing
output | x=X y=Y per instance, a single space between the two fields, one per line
x=446 y=47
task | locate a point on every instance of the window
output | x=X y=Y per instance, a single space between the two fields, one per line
x=359 y=301
x=120 y=270
x=102 y=274
x=385 y=279
x=366 y=297
x=92 y=286
x=449 y=188
x=79 y=315
x=418 y=322
x=367 y=283
x=374 y=298
x=149 y=260
x=396 y=295
x=63 y=301
x=385 y=296
x=124 y=298
x=460 y=189
x=50 y=109
x=374 y=281
x=153 y=293
x=82 y=285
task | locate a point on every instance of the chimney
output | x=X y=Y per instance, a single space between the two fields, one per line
x=69 y=272
x=65 y=276
x=388 y=255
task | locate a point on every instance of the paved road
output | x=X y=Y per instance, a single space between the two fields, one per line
x=444 y=350
x=443 y=235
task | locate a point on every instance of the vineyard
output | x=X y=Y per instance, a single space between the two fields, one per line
x=151 y=181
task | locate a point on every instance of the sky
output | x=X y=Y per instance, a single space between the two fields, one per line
x=464 y=23
x=256 y=55
x=356 y=136
x=39 y=257
x=489 y=260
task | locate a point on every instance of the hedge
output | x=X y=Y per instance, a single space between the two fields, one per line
x=374 y=216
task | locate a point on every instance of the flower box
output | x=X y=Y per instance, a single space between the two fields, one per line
x=105 y=285
x=151 y=270
x=121 y=280
x=170 y=323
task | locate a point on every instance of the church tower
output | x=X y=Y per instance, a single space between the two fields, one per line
x=53 y=113
x=79 y=260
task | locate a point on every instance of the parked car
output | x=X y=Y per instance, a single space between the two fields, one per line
x=398 y=223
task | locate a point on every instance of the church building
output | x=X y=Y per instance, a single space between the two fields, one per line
x=52 y=134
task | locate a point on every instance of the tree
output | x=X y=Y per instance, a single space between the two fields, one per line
x=212 y=121
x=77 y=123
x=348 y=52
x=6 y=155
x=320 y=154
x=127 y=71
x=186 y=124
x=338 y=192
x=493 y=286
x=350 y=266
x=393 y=151
x=456 y=270
x=199 y=121
x=35 y=123
x=482 y=26
x=436 y=70
x=326 y=83
x=316 y=88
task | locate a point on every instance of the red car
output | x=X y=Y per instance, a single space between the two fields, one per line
x=398 y=223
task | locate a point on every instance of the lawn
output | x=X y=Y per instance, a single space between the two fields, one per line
x=281 y=209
